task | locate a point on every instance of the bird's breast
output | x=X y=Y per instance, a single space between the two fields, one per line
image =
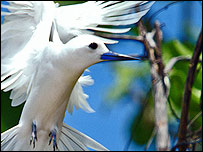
x=48 y=97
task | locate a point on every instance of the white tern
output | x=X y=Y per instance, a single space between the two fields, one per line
x=44 y=52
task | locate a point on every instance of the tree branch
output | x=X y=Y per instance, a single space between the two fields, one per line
x=162 y=9
x=159 y=52
x=196 y=133
x=173 y=111
x=141 y=114
x=151 y=138
x=160 y=98
x=174 y=60
x=128 y=144
x=185 y=144
x=116 y=36
x=187 y=93
x=194 y=119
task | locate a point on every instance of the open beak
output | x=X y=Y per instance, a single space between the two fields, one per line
x=112 y=56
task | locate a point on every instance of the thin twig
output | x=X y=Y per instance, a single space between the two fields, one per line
x=116 y=36
x=151 y=139
x=128 y=144
x=162 y=9
x=195 y=133
x=194 y=119
x=185 y=144
x=141 y=114
x=187 y=93
x=174 y=60
x=173 y=111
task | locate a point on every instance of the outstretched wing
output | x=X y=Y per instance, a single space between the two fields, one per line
x=27 y=27
x=24 y=22
x=89 y=15
x=25 y=30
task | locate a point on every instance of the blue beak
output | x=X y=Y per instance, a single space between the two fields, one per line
x=112 y=56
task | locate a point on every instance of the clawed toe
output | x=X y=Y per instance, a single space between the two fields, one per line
x=53 y=137
x=33 y=137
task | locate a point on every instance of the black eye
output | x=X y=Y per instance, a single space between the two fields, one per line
x=93 y=45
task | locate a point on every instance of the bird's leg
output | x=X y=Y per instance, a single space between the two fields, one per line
x=53 y=137
x=34 y=134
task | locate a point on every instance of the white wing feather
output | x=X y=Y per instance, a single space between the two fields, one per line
x=78 y=97
x=89 y=15
x=27 y=23
x=26 y=31
x=81 y=139
x=20 y=28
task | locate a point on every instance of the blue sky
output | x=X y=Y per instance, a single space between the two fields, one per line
x=110 y=125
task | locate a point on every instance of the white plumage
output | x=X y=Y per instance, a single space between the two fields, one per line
x=40 y=66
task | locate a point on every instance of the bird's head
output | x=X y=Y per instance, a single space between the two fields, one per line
x=87 y=50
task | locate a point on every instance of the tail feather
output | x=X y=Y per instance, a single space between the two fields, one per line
x=81 y=139
x=8 y=146
x=8 y=138
x=69 y=140
x=63 y=145
x=72 y=142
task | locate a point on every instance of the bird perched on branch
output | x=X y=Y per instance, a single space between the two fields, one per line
x=44 y=51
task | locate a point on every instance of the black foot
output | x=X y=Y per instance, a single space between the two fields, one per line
x=53 y=137
x=34 y=134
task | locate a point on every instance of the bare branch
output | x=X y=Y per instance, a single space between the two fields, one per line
x=128 y=144
x=162 y=9
x=172 y=110
x=142 y=111
x=160 y=97
x=187 y=93
x=185 y=144
x=116 y=36
x=197 y=134
x=194 y=119
x=151 y=138
x=159 y=53
x=174 y=60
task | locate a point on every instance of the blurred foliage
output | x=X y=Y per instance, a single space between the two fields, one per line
x=9 y=115
x=135 y=82
x=125 y=84
x=139 y=133
x=126 y=76
x=178 y=77
x=62 y=3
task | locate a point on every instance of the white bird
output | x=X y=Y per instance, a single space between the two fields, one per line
x=43 y=57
